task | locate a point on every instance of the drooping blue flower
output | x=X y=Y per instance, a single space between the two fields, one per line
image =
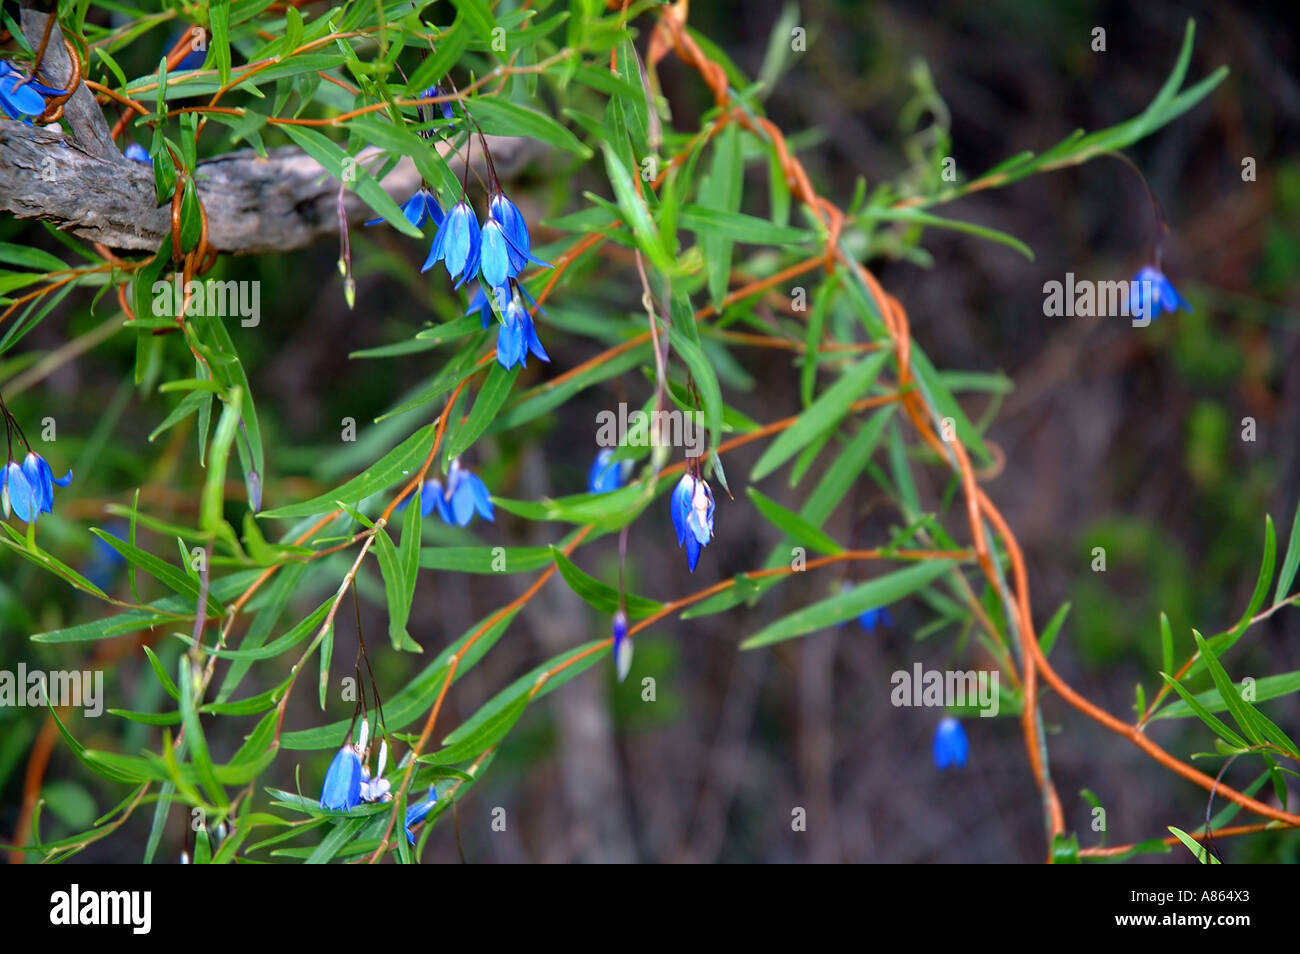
x=464 y=494
x=342 y=789
x=23 y=103
x=607 y=474
x=137 y=153
x=432 y=499
x=419 y=812
x=28 y=489
x=518 y=336
x=692 y=511
x=418 y=209
x=506 y=244
x=430 y=93
x=457 y=244
x=875 y=617
x=39 y=475
x=514 y=229
x=622 y=648
x=950 y=746
x=1151 y=293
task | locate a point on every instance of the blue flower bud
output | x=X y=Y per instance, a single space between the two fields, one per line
x=419 y=812
x=691 y=504
x=622 y=649
x=253 y=483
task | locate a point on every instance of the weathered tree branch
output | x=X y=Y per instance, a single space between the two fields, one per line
x=85 y=185
x=253 y=204
x=80 y=112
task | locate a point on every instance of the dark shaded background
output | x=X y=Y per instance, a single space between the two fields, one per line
x=1113 y=437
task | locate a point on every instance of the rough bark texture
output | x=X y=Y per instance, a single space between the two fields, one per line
x=81 y=113
x=83 y=184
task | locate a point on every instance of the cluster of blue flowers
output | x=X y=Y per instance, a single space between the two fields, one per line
x=22 y=100
x=495 y=253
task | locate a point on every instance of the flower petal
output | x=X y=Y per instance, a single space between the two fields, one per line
x=436 y=250
x=482 y=499
x=510 y=343
x=462 y=504
x=534 y=342
x=679 y=503
x=20 y=496
x=20 y=102
x=495 y=260
x=38 y=475
x=692 y=552
x=342 y=789
x=605 y=474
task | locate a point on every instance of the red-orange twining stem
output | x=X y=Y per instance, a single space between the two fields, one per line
x=671 y=33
